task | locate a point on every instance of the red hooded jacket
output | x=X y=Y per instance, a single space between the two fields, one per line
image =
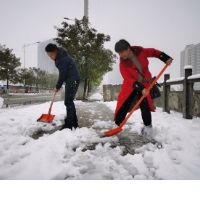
x=130 y=75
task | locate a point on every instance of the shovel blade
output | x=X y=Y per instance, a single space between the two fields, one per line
x=46 y=118
x=113 y=132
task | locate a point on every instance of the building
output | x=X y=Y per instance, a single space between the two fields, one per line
x=191 y=56
x=44 y=62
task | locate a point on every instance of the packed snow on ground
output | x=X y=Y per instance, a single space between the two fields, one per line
x=1 y=102
x=96 y=96
x=53 y=156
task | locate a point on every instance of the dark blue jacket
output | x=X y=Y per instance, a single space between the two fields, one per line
x=68 y=70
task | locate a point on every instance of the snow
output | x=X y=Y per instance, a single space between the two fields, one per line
x=96 y=96
x=188 y=67
x=1 y=102
x=166 y=72
x=176 y=79
x=160 y=81
x=194 y=76
x=52 y=156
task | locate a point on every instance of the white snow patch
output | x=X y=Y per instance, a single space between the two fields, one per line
x=175 y=79
x=96 y=96
x=166 y=72
x=188 y=67
x=194 y=76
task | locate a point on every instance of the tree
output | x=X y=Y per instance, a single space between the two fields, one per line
x=8 y=65
x=42 y=78
x=38 y=78
x=52 y=80
x=24 y=75
x=86 y=47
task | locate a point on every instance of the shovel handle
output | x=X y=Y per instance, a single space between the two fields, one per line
x=52 y=102
x=137 y=104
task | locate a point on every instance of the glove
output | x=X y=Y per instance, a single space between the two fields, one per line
x=163 y=57
x=138 y=86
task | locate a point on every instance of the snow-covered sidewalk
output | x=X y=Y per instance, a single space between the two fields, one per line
x=60 y=156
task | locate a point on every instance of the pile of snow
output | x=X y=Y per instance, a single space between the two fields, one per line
x=1 y=102
x=60 y=156
x=96 y=96
x=179 y=158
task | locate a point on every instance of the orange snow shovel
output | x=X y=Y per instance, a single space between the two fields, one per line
x=119 y=129
x=48 y=118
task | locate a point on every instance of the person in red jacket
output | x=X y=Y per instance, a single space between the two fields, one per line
x=134 y=86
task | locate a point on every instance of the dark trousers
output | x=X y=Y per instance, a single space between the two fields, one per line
x=144 y=107
x=70 y=92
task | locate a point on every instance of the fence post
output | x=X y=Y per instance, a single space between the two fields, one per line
x=187 y=94
x=166 y=89
x=107 y=92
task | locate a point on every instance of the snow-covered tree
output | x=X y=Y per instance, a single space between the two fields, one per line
x=86 y=47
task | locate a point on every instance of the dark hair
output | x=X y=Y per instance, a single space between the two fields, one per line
x=51 y=47
x=122 y=45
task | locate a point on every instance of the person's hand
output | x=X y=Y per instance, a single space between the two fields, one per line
x=144 y=91
x=169 y=61
x=55 y=90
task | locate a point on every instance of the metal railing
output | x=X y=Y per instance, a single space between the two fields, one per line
x=29 y=99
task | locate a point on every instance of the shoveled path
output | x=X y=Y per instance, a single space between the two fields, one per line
x=99 y=117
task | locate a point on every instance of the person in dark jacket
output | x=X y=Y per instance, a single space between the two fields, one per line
x=68 y=73
x=132 y=60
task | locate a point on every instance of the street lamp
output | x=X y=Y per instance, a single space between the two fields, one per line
x=23 y=49
x=69 y=19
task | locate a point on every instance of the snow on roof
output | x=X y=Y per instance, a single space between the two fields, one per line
x=166 y=72
x=188 y=67
x=194 y=76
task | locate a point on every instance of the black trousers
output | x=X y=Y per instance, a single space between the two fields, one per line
x=70 y=92
x=144 y=107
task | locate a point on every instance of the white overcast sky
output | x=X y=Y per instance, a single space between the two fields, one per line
x=166 y=25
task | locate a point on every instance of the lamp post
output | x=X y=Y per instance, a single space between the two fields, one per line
x=23 y=49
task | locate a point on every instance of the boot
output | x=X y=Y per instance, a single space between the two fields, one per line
x=67 y=125
x=147 y=133
x=70 y=125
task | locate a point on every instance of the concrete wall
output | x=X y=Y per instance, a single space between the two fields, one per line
x=174 y=99
x=175 y=102
x=111 y=92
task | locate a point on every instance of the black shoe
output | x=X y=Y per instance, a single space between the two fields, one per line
x=70 y=126
x=75 y=125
